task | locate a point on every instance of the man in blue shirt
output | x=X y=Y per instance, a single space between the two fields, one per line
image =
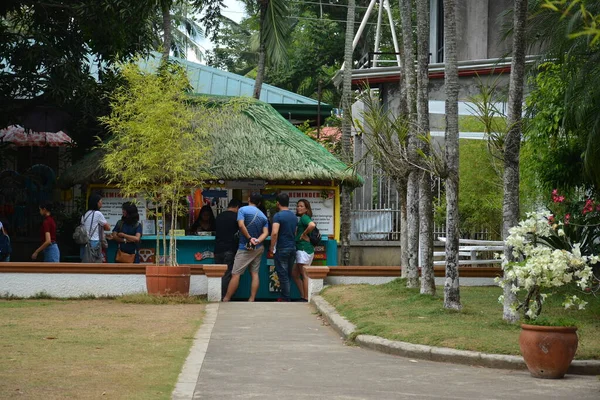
x=254 y=229
x=283 y=244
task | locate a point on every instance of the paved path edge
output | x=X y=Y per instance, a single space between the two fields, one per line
x=186 y=382
x=441 y=354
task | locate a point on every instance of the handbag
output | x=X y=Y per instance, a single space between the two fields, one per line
x=123 y=257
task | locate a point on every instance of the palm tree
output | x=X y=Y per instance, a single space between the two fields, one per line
x=346 y=131
x=512 y=144
x=425 y=192
x=274 y=30
x=451 y=283
x=179 y=29
x=412 y=187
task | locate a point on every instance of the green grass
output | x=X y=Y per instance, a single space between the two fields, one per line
x=90 y=349
x=394 y=312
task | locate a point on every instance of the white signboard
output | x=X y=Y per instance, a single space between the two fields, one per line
x=112 y=206
x=322 y=204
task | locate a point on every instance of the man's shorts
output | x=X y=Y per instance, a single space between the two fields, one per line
x=245 y=258
x=304 y=258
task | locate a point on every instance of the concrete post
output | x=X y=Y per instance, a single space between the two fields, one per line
x=214 y=273
x=316 y=275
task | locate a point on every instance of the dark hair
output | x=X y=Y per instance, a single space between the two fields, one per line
x=131 y=216
x=205 y=209
x=255 y=198
x=93 y=201
x=234 y=203
x=307 y=205
x=283 y=199
x=46 y=205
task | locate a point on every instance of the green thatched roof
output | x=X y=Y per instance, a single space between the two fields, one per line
x=254 y=142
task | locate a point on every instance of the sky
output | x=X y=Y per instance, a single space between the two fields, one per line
x=234 y=11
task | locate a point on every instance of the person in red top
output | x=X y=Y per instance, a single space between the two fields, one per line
x=47 y=236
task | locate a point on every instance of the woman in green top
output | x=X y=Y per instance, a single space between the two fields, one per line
x=305 y=251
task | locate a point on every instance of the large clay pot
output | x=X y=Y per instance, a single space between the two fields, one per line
x=548 y=350
x=164 y=280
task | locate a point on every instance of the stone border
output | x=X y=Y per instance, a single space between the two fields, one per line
x=190 y=373
x=441 y=354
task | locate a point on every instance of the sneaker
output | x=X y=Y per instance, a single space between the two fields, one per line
x=282 y=300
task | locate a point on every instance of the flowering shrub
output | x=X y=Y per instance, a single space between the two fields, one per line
x=552 y=250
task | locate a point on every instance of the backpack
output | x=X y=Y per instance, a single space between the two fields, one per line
x=314 y=236
x=5 y=247
x=80 y=235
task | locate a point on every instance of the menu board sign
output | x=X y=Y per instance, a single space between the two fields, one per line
x=322 y=204
x=112 y=205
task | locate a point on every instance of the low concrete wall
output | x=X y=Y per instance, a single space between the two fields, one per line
x=77 y=285
x=369 y=253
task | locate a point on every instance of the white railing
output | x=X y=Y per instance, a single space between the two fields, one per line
x=473 y=252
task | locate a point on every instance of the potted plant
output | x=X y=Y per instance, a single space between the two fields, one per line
x=552 y=251
x=158 y=149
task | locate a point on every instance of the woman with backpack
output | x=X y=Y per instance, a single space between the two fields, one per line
x=127 y=234
x=95 y=224
x=305 y=251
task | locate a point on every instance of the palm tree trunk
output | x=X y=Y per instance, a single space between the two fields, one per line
x=166 y=15
x=425 y=191
x=262 y=51
x=451 y=282
x=403 y=230
x=346 y=132
x=412 y=196
x=512 y=145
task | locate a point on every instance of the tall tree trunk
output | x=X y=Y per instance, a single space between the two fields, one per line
x=346 y=132
x=512 y=144
x=262 y=51
x=412 y=195
x=167 y=36
x=451 y=282
x=403 y=229
x=425 y=191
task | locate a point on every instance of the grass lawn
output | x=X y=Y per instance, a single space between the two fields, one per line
x=394 y=312
x=84 y=349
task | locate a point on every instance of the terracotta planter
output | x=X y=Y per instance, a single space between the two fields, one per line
x=548 y=350
x=164 y=280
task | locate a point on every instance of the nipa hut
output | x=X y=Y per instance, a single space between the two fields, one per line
x=255 y=142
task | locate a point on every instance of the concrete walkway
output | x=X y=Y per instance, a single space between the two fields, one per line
x=284 y=351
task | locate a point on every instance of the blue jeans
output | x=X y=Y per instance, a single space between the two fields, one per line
x=52 y=253
x=284 y=263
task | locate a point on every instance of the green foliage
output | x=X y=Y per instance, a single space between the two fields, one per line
x=61 y=53
x=480 y=189
x=480 y=192
x=552 y=152
x=563 y=39
x=591 y=22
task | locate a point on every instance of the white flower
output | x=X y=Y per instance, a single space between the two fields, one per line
x=539 y=266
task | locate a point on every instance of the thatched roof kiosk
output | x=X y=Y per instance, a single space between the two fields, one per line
x=255 y=142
